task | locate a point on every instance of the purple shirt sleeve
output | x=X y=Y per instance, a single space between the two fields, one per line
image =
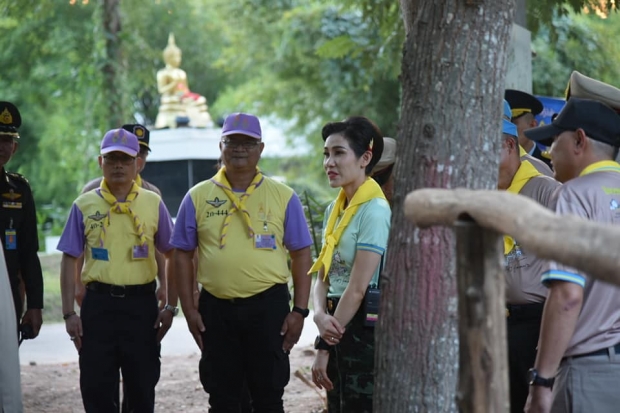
x=73 y=239
x=296 y=233
x=164 y=229
x=185 y=229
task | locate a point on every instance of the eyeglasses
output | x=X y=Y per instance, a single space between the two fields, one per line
x=123 y=159
x=240 y=144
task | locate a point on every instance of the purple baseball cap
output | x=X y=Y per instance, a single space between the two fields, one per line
x=242 y=124
x=120 y=140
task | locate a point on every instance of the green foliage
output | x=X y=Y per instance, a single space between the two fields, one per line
x=542 y=12
x=582 y=42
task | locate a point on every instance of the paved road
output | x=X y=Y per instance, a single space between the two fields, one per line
x=53 y=345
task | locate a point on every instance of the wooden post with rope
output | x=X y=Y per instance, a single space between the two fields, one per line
x=483 y=373
x=480 y=217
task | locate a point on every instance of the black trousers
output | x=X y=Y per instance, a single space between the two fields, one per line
x=242 y=345
x=119 y=335
x=523 y=331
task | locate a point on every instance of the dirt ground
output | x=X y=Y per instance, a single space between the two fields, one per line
x=54 y=388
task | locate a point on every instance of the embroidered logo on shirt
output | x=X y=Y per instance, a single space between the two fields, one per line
x=613 y=205
x=11 y=195
x=216 y=202
x=97 y=217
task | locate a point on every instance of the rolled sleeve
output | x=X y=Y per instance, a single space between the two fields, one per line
x=296 y=232
x=73 y=239
x=164 y=229
x=185 y=229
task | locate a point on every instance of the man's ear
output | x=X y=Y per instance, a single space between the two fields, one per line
x=15 y=146
x=533 y=122
x=100 y=160
x=580 y=139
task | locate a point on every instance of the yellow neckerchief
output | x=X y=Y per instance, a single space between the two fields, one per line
x=525 y=172
x=522 y=151
x=138 y=181
x=121 y=207
x=601 y=166
x=367 y=191
x=238 y=203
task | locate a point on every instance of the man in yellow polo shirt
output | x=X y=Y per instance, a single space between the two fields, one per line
x=117 y=228
x=245 y=226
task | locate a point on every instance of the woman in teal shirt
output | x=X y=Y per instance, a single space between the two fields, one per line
x=355 y=235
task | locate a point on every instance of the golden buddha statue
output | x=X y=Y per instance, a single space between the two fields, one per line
x=177 y=100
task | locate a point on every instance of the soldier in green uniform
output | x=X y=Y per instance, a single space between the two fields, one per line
x=18 y=221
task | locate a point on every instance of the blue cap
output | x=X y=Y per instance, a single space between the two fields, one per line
x=509 y=128
x=507 y=110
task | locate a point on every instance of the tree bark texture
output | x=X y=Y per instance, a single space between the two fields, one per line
x=113 y=90
x=483 y=367
x=453 y=73
x=570 y=240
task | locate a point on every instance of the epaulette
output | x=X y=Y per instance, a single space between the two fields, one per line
x=18 y=177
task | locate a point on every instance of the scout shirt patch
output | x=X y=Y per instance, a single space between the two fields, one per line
x=97 y=217
x=216 y=202
x=9 y=200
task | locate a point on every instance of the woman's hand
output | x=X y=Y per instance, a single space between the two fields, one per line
x=319 y=371
x=329 y=328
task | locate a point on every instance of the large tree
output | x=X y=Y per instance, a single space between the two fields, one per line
x=453 y=70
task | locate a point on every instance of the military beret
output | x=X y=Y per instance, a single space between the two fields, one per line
x=141 y=133
x=522 y=103
x=10 y=119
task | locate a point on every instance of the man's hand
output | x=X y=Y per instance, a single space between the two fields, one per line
x=291 y=330
x=33 y=318
x=73 y=325
x=163 y=323
x=539 y=400
x=196 y=326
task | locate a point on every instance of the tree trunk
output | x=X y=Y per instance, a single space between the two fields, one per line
x=113 y=91
x=453 y=71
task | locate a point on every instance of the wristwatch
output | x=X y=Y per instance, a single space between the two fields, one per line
x=304 y=313
x=535 y=380
x=320 y=344
x=174 y=310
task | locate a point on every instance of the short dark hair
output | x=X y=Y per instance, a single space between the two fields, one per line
x=360 y=132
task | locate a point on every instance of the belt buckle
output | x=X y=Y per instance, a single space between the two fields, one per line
x=507 y=313
x=330 y=305
x=117 y=291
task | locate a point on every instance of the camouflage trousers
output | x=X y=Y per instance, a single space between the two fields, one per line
x=351 y=369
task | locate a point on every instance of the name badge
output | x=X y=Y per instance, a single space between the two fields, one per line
x=12 y=205
x=10 y=239
x=100 y=254
x=265 y=241
x=140 y=252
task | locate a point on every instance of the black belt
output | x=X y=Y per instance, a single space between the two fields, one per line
x=602 y=352
x=524 y=311
x=262 y=295
x=122 y=291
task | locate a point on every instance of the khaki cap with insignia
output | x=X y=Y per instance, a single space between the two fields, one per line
x=581 y=86
x=388 y=157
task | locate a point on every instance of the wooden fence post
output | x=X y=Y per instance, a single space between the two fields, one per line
x=483 y=374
